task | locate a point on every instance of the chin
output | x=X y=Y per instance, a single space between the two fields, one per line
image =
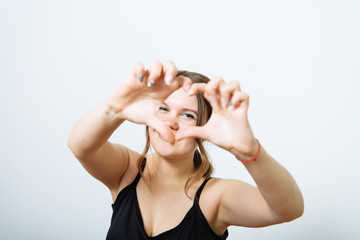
x=160 y=146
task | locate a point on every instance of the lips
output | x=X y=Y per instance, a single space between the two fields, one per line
x=161 y=137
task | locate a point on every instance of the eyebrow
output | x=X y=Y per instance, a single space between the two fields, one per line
x=184 y=109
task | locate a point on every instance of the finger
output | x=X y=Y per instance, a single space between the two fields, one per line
x=239 y=98
x=181 y=81
x=191 y=132
x=155 y=72
x=227 y=91
x=170 y=71
x=186 y=83
x=163 y=129
x=212 y=91
x=197 y=88
x=137 y=72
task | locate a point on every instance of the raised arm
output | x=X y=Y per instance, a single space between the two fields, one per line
x=135 y=100
x=89 y=143
x=277 y=197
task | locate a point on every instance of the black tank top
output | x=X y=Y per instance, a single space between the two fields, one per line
x=127 y=223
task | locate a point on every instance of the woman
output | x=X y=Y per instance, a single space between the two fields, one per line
x=158 y=196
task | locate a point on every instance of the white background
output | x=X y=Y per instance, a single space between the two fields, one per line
x=298 y=60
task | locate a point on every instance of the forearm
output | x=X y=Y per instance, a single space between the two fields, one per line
x=93 y=130
x=277 y=187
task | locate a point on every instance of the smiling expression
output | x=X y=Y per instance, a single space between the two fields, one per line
x=178 y=111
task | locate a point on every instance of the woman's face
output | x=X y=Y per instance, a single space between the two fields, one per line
x=178 y=111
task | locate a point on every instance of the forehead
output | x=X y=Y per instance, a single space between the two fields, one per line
x=180 y=99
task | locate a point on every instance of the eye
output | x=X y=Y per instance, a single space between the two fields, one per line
x=163 y=109
x=188 y=115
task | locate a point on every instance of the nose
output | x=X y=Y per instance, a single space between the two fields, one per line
x=172 y=122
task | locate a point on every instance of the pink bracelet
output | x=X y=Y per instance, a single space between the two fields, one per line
x=254 y=158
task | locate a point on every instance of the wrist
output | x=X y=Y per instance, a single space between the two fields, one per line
x=248 y=154
x=117 y=101
x=112 y=111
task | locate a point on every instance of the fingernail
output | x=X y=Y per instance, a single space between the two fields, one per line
x=150 y=83
x=168 y=79
x=187 y=87
x=141 y=78
x=230 y=103
x=190 y=92
x=223 y=101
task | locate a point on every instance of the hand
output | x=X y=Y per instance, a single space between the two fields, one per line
x=138 y=97
x=228 y=126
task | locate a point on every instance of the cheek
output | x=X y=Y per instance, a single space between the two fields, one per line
x=190 y=143
x=160 y=116
x=151 y=133
x=183 y=123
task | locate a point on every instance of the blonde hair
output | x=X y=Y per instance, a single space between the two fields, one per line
x=202 y=164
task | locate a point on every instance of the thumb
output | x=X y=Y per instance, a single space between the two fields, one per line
x=191 y=132
x=163 y=129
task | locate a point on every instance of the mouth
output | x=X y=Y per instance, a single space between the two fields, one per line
x=161 y=137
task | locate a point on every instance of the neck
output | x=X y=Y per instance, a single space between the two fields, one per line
x=174 y=171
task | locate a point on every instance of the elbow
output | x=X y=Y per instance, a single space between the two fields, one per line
x=71 y=145
x=299 y=207
x=296 y=208
x=296 y=213
x=80 y=149
x=74 y=147
x=293 y=212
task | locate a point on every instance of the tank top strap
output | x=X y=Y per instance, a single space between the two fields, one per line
x=197 y=196
x=143 y=164
x=138 y=176
x=136 y=180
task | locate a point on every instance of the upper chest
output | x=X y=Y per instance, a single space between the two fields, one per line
x=161 y=208
x=165 y=208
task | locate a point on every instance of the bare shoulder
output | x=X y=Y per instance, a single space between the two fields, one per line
x=216 y=193
x=217 y=186
x=237 y=203
x=211 y=200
